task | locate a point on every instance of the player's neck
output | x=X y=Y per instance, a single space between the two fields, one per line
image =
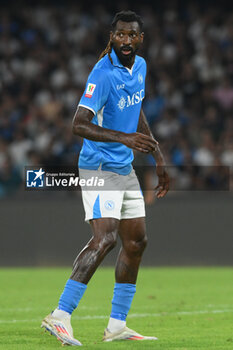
x=128 y=63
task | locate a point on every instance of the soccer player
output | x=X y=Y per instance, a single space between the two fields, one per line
x=111 y=121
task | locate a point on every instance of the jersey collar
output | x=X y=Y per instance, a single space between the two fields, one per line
x=116 y=61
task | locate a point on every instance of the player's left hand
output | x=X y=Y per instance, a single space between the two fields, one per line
x=163 y=185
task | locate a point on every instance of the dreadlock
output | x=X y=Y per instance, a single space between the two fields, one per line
x=107 y=51
x=125 y=16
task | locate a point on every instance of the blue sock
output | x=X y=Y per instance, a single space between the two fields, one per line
x=71 y=295
x=122 y=300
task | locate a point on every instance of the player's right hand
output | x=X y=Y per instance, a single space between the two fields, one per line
x=139 y=142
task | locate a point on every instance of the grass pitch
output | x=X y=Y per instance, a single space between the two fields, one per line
x=186 y=308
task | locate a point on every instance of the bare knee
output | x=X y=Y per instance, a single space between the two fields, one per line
x=105 y=243
x=104 y=234
x=136 y=247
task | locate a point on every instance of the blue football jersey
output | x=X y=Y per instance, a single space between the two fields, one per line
x=114 y=94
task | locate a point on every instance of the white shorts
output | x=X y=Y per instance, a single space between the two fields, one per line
x=120 y=197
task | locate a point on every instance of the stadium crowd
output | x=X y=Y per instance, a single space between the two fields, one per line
x=47 y=52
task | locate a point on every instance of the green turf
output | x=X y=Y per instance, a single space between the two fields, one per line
x=186 y=308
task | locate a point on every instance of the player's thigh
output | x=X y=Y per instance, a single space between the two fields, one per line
x=133 y=205
x=105 y=227
x=102 y=202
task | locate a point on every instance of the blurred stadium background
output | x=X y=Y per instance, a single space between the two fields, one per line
x=46 y=53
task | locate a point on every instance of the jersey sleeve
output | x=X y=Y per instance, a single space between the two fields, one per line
x=96 y=91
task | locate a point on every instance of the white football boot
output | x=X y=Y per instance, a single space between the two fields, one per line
x=61 y=329
x=125 y=334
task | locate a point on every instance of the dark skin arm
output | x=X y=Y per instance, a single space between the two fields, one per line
x=163 y=185
x=83 y=127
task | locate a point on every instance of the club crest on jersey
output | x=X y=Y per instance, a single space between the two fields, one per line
x=140 y=78
x=90 y=90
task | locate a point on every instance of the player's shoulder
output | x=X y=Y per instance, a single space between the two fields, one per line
x=102 y=69
x=103 y=65
x=140 y=60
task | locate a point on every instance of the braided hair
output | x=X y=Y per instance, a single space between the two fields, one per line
x=107 y=51
x=125 y=16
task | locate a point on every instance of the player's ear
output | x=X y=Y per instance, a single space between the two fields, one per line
x=142 y=36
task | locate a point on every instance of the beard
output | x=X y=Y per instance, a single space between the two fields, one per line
x=125 y=54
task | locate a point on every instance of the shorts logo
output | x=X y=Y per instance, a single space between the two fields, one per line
x=140 y=78
x=121 y=104
x=35 y=178
x=109 y=205
x=90 y=90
